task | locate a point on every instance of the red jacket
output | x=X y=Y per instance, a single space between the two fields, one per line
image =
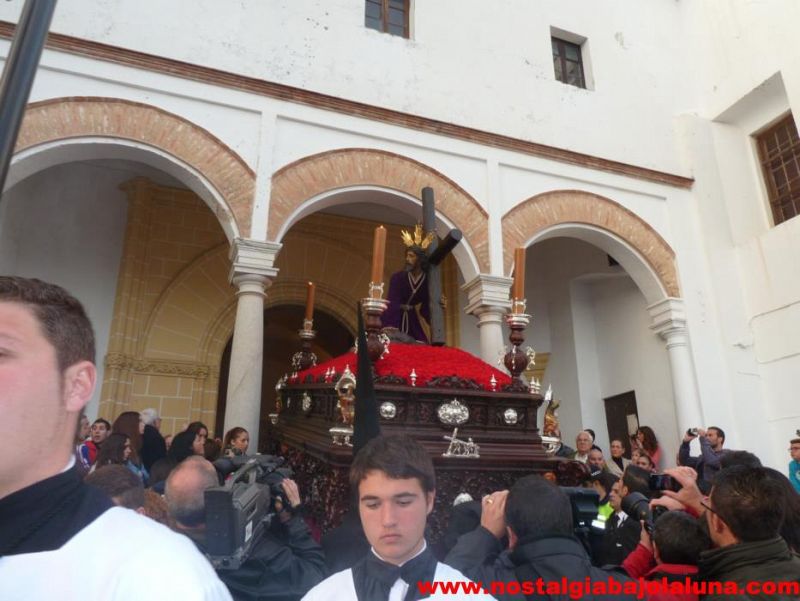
x=640 y=563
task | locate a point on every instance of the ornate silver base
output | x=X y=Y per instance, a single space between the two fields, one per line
x=551 y=445
x=342 y=436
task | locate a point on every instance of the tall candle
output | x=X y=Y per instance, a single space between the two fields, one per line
x=518 y=291
x=310 y=301
x=378 y=252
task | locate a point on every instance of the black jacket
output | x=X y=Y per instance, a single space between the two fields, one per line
x=480 y=557
x=618 y=541
x=153 y=447
x=281 y=567
x=769 y=560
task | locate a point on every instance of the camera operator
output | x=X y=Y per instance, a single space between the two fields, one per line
x=537 y=517
x=707 y=463
x=279 y=567
x=672 y=554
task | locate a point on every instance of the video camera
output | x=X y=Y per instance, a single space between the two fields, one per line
x=584 y=503
x=238 y=512
x=637 y=506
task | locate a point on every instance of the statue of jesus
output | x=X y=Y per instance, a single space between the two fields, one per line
x=408 y=296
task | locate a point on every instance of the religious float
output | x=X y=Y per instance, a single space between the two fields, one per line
x=478 y=423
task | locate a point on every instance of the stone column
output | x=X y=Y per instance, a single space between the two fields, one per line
x=669 y=322
x=252 y=273
x=488 y=300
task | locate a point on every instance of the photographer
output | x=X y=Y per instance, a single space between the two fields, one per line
x=672 y=555
x=541 y=538
x=278 y=567
x=621 y=532
x=711 y=443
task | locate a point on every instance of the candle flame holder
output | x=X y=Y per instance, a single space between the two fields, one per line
x=377 y=342
x=375 y=290
x=516 y=360
x=305 y=358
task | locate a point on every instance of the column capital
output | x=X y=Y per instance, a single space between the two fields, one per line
x=488 y=293
x=668 y=319
x=253 y=258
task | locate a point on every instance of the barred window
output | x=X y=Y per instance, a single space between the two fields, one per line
x=388 y=16
x=779 y=151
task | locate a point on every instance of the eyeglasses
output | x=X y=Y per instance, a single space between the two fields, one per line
x=707 y=506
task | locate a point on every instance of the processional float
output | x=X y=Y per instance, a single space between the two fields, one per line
x=478 y=423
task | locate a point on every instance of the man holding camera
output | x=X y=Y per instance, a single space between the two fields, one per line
x=622 y=530
x=280 y=566
x=711 y=443
x=541 y=543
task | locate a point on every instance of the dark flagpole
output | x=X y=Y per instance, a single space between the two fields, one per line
x=366 y=424
x=19 y=72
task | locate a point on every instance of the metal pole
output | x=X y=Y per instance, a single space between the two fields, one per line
x=19 y=72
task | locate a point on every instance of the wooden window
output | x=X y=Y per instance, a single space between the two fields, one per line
x=568 y=63
x=779 y=151
x=388 y=16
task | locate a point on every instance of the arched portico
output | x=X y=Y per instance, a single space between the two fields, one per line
x=317 y=182
x=638 y=248
x=62 y=130
x=643 y=253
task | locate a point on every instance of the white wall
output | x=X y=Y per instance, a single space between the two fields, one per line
x=746 y=76
x=66 y=225
x=600 y=340
x=484 y=65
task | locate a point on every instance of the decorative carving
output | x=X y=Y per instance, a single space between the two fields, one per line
x=461 y=448
x=453 y=382
x=510 y=416
x=453 y=413
x=377 y=342
x=388 y=410
x=306 y=404
x=551 y=426
x=516 y=360
x=305 y=358
x=342 y=436
x=345 y=390
x=167 y=368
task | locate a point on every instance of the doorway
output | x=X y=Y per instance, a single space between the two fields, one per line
x=622 y=418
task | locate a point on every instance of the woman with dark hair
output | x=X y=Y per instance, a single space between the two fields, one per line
x=131 y=425
x=200 y=429
x=646 y=440
x=184 y=445
x=236 y=442
x=116 y=450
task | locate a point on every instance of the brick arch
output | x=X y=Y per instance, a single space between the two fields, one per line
x=309 y=177
x=542 y=212
x=68 y=118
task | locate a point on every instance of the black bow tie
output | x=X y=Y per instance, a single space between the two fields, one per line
x=373 y=578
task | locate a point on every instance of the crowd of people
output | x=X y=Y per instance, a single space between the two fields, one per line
x=133 y=503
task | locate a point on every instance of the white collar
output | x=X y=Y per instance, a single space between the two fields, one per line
x=70 y=463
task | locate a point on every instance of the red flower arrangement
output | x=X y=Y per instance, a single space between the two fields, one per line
x=428 y=362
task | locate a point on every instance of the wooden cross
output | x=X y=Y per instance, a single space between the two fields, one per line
x=436 y=253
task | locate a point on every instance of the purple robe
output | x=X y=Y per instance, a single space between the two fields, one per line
x=406 y=303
